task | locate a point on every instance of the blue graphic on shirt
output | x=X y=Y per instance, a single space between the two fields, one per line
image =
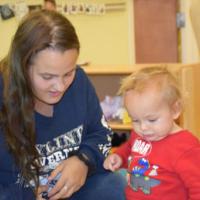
x=140 y=176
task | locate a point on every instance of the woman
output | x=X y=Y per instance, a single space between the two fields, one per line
x=51 y=121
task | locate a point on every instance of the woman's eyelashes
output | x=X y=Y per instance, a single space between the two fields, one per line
x=50 y=76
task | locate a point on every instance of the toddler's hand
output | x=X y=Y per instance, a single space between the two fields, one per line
x=112 y=162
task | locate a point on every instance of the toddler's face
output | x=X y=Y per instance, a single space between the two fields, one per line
x=153 y=118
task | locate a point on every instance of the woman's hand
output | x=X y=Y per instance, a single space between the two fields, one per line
x=112 y=162
x=73 y=176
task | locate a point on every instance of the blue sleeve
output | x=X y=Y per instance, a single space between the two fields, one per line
x=16 y=192
x=96 y=142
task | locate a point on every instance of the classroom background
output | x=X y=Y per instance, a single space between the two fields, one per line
x=119 y=36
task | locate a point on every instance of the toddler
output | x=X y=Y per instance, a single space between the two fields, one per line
x=162 y=159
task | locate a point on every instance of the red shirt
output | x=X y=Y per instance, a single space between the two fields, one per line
x=162 y=170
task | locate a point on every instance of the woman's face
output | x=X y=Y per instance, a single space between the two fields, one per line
x=51 y=74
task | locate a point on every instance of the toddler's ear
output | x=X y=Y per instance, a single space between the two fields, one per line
x=177 y=109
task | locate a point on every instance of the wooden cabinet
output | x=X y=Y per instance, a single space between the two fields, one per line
x=156 y=33
x=190 y=82
x=106 y=80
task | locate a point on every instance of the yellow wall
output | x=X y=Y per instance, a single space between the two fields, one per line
x=104 y=38
x=107 y=39
x=7 y=29
x=189 y=50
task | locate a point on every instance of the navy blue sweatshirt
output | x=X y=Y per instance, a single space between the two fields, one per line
x=77 y=125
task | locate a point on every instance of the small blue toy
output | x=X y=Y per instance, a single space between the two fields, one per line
x=51 y=184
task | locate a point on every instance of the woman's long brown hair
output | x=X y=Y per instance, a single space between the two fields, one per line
x=37 y=31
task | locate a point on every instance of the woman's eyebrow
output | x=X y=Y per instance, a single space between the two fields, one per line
x=55 y=75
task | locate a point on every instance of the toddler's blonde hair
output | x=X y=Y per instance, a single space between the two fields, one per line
x=161 y=77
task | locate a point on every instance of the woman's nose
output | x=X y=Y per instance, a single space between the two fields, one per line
x=60 y=85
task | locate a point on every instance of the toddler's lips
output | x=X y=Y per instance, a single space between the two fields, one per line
x=147 y=137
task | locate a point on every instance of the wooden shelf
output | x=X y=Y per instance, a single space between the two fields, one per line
x=121 y=69
x=119 y=126
x=108 y=70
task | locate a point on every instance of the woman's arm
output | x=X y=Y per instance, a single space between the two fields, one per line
x=96 y=141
